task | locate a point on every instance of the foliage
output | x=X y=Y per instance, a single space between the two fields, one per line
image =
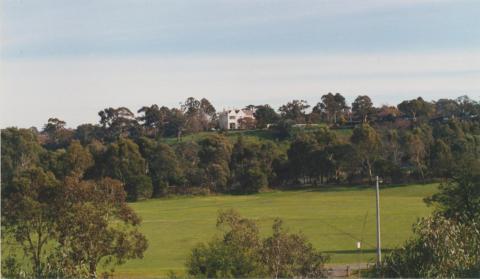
x=265 y=115
x=235 y=255
x=332 y=106
x=20 y=151
x=367 y=143
x=362 y=108
x=441 y=248
x=459 y=198
x=416 y=141
x=288 y=255
x=246 y=165
x=97 y=225
x=214 y=156
x=30 y=210
x=294 y=110
x=122 y=160
x=241 y=253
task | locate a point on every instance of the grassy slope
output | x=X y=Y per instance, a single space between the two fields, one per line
x=342 y=135
x=332 y=219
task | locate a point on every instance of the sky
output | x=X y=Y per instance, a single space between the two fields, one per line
x=70 y=59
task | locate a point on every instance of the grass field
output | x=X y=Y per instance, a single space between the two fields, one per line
x=331 y=218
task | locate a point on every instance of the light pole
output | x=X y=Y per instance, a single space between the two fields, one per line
x=379 y=251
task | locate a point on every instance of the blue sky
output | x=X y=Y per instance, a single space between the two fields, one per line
x=70 y=59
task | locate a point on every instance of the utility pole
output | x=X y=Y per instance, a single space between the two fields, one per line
x=379 y=251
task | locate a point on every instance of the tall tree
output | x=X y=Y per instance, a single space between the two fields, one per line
x=246 y=168
x=21 y=150
x=176 y=123
x=441 y=159
x=367 y=143
x=162 y=163
x=97 y=225
x=57 y=134
x=30 y=210
x=117 y=122
x=416 y=107
x=332 y=106
x=447 y=108
x=467 y=106
x=122 y=160
x=77 y=160
x=417 y=151
x=295 y=110
x=214 y=155
x=265 y=115
x=362 y=108
x=153 y=119
x=298 y=153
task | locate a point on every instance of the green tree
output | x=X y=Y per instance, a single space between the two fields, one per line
x=235 y=255
x=441 y=159
x=264 y=115
x=416 y=107
x=58 y=135
x=30 y=210
x=247 y=175
x=117 y=122
x=460 y=197
x=441 y=248
x=417 y=151
x=288 y=255
x=20 y=151
x=367 y=144
x=163 y=165
x=332 y=106
x=298 y=153
x=214 y=155
x=122 y=160
x=240 y=252
x=96 y=226
x=294 y=110
x=87 y=133
x=362 y=108
x=153 y=119
x=76 y=160
x=176 y=123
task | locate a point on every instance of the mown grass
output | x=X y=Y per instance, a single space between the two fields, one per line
x=256 y=135
x=333 y=219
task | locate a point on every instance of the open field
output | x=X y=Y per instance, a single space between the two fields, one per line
x=332 y=218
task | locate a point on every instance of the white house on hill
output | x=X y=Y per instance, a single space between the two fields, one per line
x=232 y=119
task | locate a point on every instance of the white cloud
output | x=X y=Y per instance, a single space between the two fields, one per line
x=75 y=89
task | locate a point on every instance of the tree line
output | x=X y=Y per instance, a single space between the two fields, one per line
x=415 y=141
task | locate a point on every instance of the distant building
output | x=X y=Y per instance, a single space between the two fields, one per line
x=234 y=119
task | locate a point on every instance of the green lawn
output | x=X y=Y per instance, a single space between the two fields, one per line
x=332 y=219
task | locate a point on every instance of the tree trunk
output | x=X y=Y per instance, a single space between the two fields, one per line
x=92 y=269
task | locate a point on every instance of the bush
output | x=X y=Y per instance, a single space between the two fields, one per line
x=242 y=253
x=441 y=248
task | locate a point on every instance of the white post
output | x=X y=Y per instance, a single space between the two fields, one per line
x=379 y=251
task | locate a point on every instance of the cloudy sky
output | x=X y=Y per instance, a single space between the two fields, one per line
x=70 y=59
